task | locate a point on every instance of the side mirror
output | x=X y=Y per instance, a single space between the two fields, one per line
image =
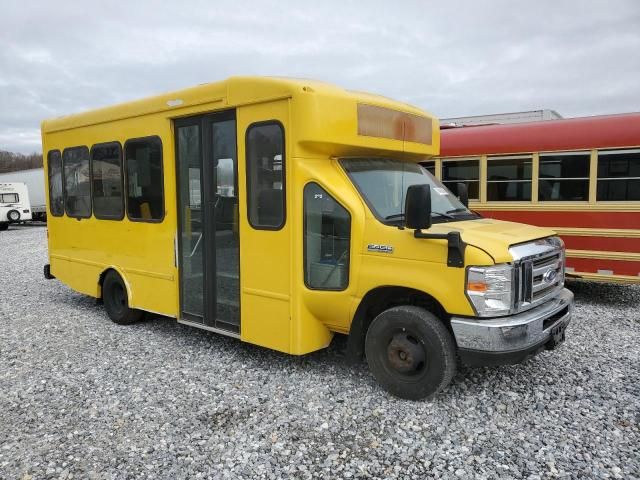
x=417 y=207
x=463 y=194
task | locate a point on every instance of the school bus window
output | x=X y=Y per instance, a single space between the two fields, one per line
x=145 y=195
x=106 y=178
x=509 y=179
x=429 y=166
x=77 y=186
x=265 y=176
x=327 y=232
x=618 y=175
x=564 y=176
x=462 y=171
x=56 y=197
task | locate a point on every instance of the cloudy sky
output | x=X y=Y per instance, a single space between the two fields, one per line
x=450 y=57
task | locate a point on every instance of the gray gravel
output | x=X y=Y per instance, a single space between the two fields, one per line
x=81 y=397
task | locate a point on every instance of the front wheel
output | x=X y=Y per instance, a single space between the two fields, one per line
x=410 y=352
x=116 y=301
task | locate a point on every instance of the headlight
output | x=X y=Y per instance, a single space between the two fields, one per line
x=490 y=289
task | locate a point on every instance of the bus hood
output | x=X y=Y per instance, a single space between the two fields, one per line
x=495 y=236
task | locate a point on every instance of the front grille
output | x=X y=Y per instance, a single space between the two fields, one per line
x=539 y=272
x=543 y=270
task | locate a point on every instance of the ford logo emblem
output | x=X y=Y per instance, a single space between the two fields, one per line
x=550 y=276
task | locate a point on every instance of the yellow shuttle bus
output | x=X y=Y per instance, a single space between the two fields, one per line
x=281 y=212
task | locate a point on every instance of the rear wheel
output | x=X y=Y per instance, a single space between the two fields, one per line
x=116 y=301
x=410 y=352
x=3 y=226
x=13 y=215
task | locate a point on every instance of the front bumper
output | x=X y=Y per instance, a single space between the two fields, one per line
x=509 y=340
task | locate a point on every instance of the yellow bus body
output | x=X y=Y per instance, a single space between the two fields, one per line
x=277 y=310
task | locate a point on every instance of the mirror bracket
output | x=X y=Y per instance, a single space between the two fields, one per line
x=455 y=246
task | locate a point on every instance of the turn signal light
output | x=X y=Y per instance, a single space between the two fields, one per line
x=477 y=286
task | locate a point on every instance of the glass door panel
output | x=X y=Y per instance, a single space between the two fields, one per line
x=227 y=251
x=191 y=244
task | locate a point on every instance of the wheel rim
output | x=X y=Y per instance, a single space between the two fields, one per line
x=13 y=216
x=406 y=355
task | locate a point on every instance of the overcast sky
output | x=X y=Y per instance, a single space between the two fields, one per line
x=451 y=58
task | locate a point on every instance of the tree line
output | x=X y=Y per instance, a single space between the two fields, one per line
x=12 y=162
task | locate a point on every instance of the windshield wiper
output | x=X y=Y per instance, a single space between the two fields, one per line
x=461 y=209
x=468 y=212
x=441 y=214
x=400 y=216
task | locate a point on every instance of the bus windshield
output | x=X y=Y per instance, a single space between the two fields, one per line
x=383 y=184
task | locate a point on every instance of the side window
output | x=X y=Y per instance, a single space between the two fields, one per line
x=265 y=176
x=462 y=171
x=145 y=192
x=564 y=176
x=327 y=233
x=509 y=178
x=77 y=186
x=9 y=198
x=618 y=175
x=106 y=175
x=56 y=196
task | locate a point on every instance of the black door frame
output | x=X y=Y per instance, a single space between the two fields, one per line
x=208 y=181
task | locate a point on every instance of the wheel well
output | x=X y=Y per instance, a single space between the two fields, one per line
x=101 y=281
x=380 y=299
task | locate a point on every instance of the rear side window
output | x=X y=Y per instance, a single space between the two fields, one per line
x=106 y=174
x=429 y=166
x=462 y=171
x=265 y=176
x=509 y=178
x=327 y=233
x=564 y=176
x=145 y=194
x=618 y=175
x=77 y=185
x=56 y=196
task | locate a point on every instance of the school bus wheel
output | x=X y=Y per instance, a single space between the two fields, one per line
x=116 y=302
x=410 y=352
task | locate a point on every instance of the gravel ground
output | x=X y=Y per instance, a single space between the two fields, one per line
x=81 y=397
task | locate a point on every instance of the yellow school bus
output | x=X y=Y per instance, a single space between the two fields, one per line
x=282 y=212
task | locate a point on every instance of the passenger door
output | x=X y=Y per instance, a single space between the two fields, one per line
x=208 y=240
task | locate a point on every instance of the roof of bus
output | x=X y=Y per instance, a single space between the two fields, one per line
x=233 y=91
x=605 y=131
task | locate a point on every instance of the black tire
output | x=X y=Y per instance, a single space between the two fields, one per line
x=410 y=352
x=13 y=215
x=116 y=301
x=4 y=226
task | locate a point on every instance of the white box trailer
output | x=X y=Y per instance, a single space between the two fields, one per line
x=34 y=179
x=14 y=204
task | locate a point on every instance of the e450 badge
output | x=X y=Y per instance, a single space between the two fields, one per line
x=377 y=247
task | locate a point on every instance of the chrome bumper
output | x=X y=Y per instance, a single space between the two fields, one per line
x=514 y=333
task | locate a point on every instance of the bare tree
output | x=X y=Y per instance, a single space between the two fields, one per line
x=12 y=162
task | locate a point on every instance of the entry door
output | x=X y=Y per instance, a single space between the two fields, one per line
x=208 y=240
